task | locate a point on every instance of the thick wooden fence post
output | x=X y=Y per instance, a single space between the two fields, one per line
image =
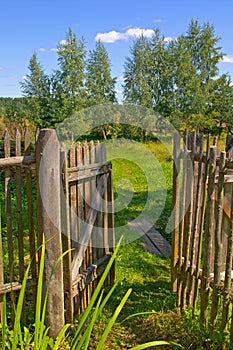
x=48 y=216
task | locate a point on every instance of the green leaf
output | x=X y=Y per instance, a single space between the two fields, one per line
x=94 y=296
x=113 y=319
x=154 y=343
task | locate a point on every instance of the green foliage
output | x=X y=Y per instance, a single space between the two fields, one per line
x=99 y=83
x=68 y=81
x=36 y=87
x=12 y=339
x=179 y=79
x=39 y=339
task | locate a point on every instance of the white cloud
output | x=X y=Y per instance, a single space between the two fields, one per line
x=113 y=36
x=24 y=77
x=3 y=68
x=159 y=20
x=168 y=39
x=227 y=59
x=42 y=49
x=137 y=32
x=63 y=42
x=109 y=37
x=53 y=49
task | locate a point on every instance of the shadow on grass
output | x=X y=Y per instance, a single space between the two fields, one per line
x=148 y=276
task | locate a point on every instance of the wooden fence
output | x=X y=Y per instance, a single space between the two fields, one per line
x=65 y=194
x=203 y=230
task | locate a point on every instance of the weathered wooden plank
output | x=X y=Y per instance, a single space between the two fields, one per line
x=17 y=161
x=187 y=230
x=19 y=217
x=73 y=197
x=198 y=189
x=66 y=240
x=139 y=225
x=8 y=206
x=85 y=234
x=48 y=208
x=86 y=172
x=175 y=211
x=218 y=244
x=99 y=220
x=152 y=240
x=228 y=282
x=148 y=245
x=80 y=193
x=111 y=233
x=182 y=224
x=16 y=286
x=31 y=227
x=93 y=191
x=205 y=166
x=159 y=242
x=208 y=243
x=19 y=208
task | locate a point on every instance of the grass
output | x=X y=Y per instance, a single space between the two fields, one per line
x=148 y=310
x=152 y=303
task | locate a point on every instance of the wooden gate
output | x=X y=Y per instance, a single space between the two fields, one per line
x=87 y=183
x=67 y=196
x=203 y=229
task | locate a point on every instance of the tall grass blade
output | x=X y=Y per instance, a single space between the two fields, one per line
x=17 y=323
x=45 y=339
x=41 y=330
x=113 y=319
x=4 y=324
x=138 y=314
x=154 y=343
x=104 y=302
x=99 y=310
x=91 y=325
x=60 y=336
x=39 y=298
x=94 y=296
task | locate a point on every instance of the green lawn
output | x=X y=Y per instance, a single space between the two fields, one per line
x=151 y=302
x=145 y=171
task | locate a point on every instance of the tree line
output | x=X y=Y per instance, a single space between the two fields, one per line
x=177 y=78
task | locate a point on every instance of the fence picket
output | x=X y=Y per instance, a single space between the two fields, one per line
x=228 y=271
x=175 y=205
x=19 y=216
x=187 y=230
x=7 y=153
x=218 y=243
x=66 y=240
x=31 y=224
x=209 y=234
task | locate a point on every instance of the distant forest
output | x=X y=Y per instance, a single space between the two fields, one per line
x=177 y=78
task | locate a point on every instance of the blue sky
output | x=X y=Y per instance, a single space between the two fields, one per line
x=28 y=26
